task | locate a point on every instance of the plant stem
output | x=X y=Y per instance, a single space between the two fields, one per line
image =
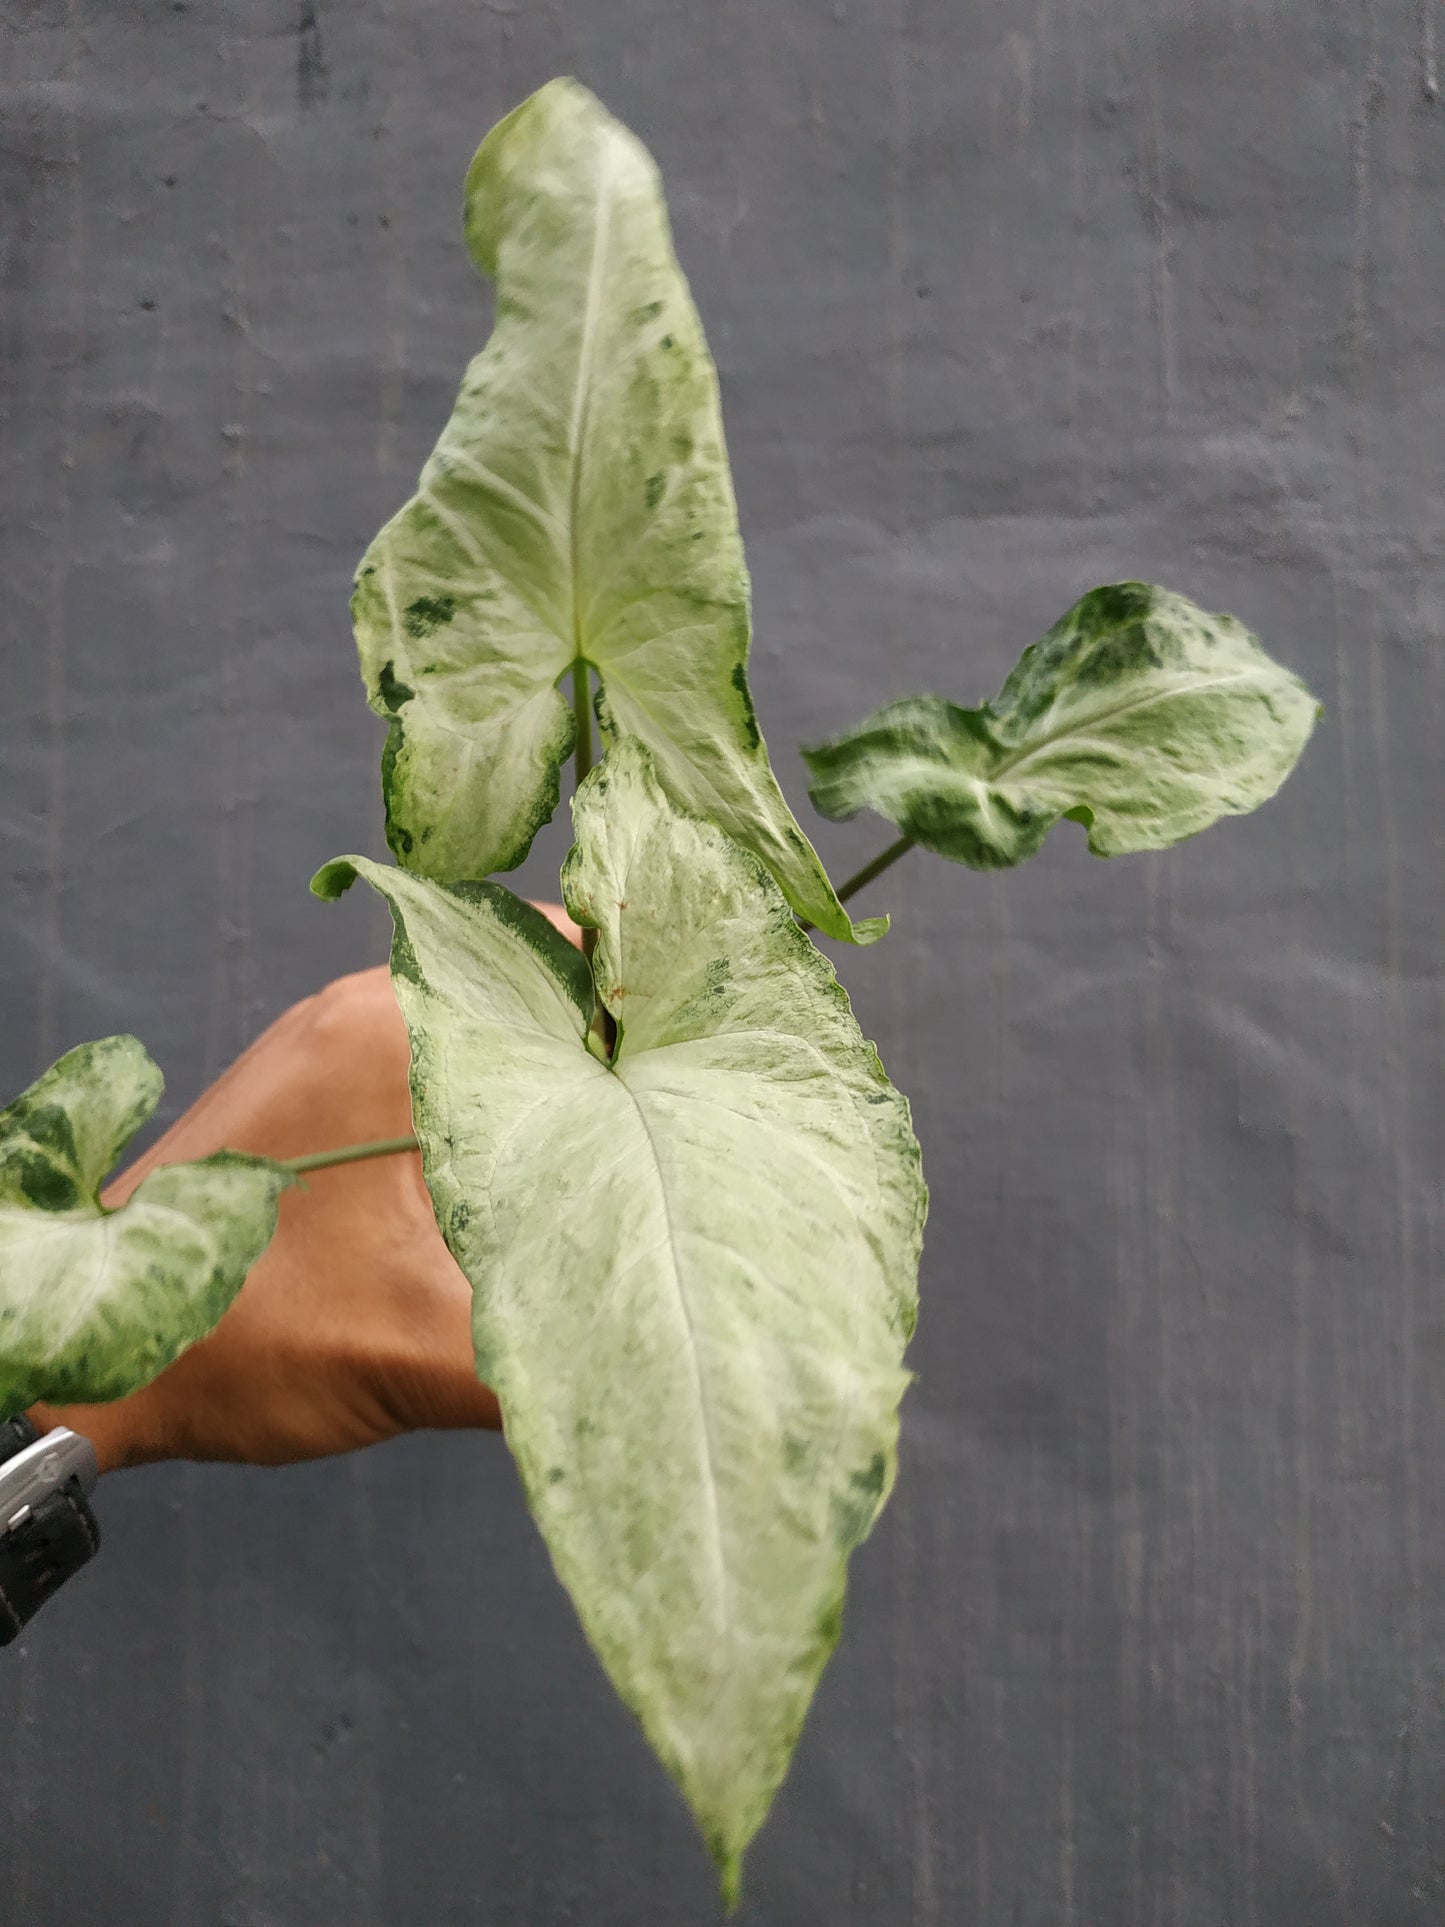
x=881 y=862
x=582 y=709
x=602 y=1028
x=383 y=1147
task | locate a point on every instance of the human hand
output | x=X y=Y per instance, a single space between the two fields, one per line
x=355 y=1323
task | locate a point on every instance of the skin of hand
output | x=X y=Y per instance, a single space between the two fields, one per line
x=355 y=1323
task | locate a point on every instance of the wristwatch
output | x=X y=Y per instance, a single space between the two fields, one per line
x=47 y=1529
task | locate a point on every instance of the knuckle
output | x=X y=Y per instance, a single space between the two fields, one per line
x=351 y=1026
x=361 y=1001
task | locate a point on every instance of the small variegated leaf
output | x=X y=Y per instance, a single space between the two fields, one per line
x=693 y=1266
x=94 y=1302
x=578 y=510
x=1138 y=715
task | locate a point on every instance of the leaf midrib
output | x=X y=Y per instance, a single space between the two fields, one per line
x=1087 y=718
x=582 y=396
x=694 y=1354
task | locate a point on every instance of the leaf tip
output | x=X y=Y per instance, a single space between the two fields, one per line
x=729 y=1864
x=869 y=929
x=334 y=879
x=556 y=110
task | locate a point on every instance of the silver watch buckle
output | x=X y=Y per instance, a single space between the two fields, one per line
x=37 y=1470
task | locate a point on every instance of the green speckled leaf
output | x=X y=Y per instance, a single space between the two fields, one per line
x=93 y=1303
x=578 y=506
x=694 y=1270
x=1138 y=715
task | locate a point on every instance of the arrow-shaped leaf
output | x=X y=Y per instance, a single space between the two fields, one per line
x=1138 y=715
x=93 y=1303
x=578 y=509
x=694 y=1267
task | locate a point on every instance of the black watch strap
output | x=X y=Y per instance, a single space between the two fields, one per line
x=47 y=1529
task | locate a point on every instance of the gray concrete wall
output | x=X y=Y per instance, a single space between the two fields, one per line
x=1008 y=299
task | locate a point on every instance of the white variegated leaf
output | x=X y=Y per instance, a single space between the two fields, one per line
x=694 y=1265
x=1138 y=715
x=94 y=1302
x=578 y=510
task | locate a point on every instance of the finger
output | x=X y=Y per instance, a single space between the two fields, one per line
x=559 y=920
x=335 y=1060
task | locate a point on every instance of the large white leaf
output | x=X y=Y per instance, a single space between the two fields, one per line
x=578 y=508
x=1138 y=715
x=694 y=1266
x=93 y=1303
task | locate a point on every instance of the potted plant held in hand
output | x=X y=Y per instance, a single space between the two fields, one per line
x=687 y=1198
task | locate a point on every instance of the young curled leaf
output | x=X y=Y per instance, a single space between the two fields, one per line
x=693 y=1266
x=577 y=510
x=93 y=1302
x=1138 y=715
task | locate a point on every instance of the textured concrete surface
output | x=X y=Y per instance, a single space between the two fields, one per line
x=1008 y=299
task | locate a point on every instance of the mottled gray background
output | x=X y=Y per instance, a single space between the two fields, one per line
x=1010 y=297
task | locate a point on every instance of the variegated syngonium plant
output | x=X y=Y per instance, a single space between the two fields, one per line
x=688 y=1199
